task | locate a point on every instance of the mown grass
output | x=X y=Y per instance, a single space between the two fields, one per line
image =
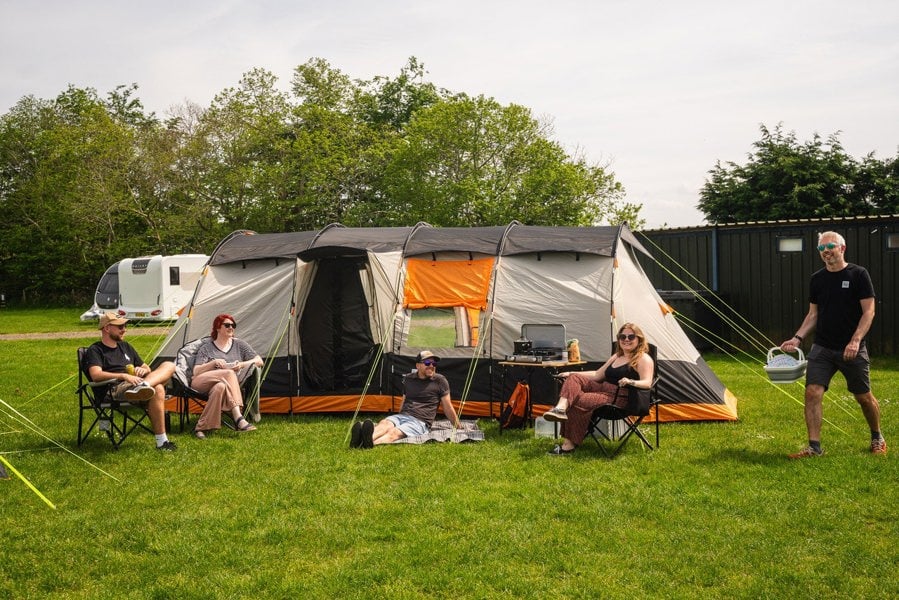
x=289 y=512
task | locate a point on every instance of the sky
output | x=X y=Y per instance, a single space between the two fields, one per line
x=656 y=92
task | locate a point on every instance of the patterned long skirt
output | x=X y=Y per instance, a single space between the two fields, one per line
x=584 y=396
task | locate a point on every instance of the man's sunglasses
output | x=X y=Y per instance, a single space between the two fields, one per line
x=429 y=363
x=828 y=246
x=230 y=325
x=627 y=336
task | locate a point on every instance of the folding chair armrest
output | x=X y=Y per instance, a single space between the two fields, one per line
x=96 y=384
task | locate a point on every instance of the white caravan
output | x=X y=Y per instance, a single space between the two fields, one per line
x=156 y=288
x=106 y=297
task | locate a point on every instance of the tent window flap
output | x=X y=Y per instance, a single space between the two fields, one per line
x=449 y=283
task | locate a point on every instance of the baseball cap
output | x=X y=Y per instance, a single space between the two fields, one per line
x=110 y=318
x=425 y=354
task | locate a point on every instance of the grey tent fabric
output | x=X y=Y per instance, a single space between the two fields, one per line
x=328 y=311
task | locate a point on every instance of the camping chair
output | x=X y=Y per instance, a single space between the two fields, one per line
x=180 y=386
x=118 y=419
x=640 y=402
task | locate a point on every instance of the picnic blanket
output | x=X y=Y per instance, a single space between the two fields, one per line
x=442 y=431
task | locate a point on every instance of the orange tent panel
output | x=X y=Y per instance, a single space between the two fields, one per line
x=447 y=283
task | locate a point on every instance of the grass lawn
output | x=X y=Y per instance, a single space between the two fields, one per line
x=290 y=512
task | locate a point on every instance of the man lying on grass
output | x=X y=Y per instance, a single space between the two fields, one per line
x=423 y=391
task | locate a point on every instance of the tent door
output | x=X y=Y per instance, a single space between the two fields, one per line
x=335 y=330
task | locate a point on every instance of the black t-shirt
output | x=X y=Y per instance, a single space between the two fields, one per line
x=838 y=295
x=112 y=360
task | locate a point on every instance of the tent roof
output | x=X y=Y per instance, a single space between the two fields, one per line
x=424 y=239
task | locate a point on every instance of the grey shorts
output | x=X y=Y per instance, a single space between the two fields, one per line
x=408 y=425
x=823 y=364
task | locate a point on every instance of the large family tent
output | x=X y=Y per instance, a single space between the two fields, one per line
x=340 y=314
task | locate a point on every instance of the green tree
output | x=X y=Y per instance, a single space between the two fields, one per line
x=85 y=180
x=786 y=179
x=68 y=203
x=471 y=161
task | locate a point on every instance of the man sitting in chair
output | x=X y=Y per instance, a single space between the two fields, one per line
x=112 y=358
x=423 y=391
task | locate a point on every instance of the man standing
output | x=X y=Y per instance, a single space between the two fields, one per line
x=423 y=391
x=841 y=310
x=113 y=359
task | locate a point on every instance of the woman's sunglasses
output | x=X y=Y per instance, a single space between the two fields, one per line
x=627 y=336
x=230 y=325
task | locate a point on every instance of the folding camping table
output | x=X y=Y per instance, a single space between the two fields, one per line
x=551 y=367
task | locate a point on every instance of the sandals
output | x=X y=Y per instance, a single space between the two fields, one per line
x=244 y=425
x=555 y=414
x=559 y=451
x=200 y=435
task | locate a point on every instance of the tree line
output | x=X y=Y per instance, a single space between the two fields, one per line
x=87 y=180
x=784 y=178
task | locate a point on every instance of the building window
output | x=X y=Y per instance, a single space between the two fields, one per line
x=893 y=241
x=789 y=244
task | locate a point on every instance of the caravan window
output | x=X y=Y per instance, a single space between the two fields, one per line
x=174 y=275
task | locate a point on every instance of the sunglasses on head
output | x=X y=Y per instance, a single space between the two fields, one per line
x=230 y=325
x=429 y=362
x=627 y=336
x=828 y=245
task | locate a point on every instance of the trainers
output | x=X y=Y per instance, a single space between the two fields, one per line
x=555 y=415
x=167 y=446
x=879 y=446
x=140 y=393
x=807 y=452
x=366 y=432
x=356 y=435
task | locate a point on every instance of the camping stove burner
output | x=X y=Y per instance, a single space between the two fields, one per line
x=547 y=353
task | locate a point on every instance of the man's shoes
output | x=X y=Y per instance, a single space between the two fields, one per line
x=167 y=446
x=366 y=432
x=559 y=451
x=555 y=415
x=356 y=435
x=807 y=452
x=140 y=393
x=879 y=446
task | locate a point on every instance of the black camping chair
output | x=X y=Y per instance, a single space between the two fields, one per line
x=180 y=387
x=118 y=419
x=640 y=402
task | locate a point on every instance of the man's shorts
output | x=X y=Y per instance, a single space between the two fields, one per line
x=823 y=363
x=142 y=397
x=408 y=425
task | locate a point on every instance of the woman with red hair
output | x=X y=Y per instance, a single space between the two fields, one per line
x=222 y=362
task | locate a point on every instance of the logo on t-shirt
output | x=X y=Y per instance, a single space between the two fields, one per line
x=845 y=285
